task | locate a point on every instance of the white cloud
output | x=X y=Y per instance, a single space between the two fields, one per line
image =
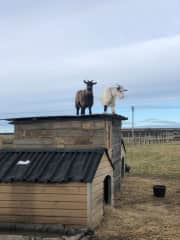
x=150 y=70
x=48 y=49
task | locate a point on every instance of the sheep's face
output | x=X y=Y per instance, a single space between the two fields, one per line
x=90 y=84
x=120 y=91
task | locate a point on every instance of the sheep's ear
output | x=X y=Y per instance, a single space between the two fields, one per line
x=85 y=81
x=93 y=82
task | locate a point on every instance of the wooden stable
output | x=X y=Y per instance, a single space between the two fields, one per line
x=100 y=130
x=61 y=170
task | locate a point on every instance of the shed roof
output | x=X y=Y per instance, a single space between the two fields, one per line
x=50 y=166
x=68 y=117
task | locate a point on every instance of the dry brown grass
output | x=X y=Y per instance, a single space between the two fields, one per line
x=154 y=160
x=138 y=214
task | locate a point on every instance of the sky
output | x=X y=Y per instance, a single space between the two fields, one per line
x=48 y=47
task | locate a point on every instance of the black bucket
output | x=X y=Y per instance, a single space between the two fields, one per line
x=159 y=190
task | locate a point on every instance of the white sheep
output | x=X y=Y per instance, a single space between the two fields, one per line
x=109 y=95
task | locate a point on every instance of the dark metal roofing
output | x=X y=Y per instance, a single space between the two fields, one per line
x=50 y=166
x=68 y=117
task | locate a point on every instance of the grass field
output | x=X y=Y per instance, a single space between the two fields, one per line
x=154 y=160
x=138 y=214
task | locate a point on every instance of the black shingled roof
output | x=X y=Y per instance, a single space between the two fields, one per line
x=50 y=166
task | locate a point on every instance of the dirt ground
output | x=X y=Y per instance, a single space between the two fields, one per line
x=141 y=216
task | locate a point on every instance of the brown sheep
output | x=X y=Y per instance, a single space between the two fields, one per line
x=84 y=98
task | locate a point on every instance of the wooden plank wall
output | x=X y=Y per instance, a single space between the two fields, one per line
x=80 y=133
x=113 y=143
x=116 y=154
x=97 y=198
x=44 y=203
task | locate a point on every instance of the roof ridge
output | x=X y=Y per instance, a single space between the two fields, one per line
x=66 y=149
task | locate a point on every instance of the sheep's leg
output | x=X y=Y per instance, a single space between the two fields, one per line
x=77 y=110
x=113 y=106
x=113 y=109
x=90 y=111
x=105 y=108
x=83 y=111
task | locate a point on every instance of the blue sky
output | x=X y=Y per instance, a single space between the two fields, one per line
x=47 y=48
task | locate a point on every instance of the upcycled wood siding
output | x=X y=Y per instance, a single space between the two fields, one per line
x=80 y=133
x=43 y=203
x=116 y=154
x=113 y=143
x=96 y=189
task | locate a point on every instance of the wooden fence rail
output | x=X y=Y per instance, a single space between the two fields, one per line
x=149 y=139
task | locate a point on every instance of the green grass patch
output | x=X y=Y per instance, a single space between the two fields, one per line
x=154 y=160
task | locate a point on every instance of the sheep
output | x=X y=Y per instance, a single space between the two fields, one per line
x=109 y=95
x=84 y=98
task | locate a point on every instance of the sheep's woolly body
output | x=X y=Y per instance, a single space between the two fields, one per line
x=109 y=95
x=84 y=99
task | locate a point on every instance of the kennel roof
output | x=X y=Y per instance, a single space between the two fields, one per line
x=50 y=166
